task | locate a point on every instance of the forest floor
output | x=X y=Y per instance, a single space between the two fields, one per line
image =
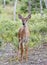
x=37 y=56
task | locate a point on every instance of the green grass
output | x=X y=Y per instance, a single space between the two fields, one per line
x=9 y=28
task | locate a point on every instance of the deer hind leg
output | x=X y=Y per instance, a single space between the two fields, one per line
x=22 y=51
x=26 y=52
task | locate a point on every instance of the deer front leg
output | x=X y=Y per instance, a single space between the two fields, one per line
x=22 y=51
x=26 y=52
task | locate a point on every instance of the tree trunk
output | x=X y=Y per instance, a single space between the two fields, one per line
x=41 y=8
x=29 y=6
x=15 y=4
x=45 y=3
x=4 y=3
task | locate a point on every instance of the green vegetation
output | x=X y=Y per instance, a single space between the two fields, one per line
x=9 y=28
x=22 y=5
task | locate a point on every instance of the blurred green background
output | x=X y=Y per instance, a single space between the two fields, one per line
x=9 y=28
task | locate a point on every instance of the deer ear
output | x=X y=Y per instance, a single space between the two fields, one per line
x=20 y=17
x=29 y=16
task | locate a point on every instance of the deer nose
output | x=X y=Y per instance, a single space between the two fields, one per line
x=23 y=23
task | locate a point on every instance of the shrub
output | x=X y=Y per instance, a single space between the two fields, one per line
x=9 y=29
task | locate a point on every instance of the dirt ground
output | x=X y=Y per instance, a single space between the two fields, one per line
x=37 y=56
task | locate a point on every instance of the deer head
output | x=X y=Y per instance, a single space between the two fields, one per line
x=24 y=20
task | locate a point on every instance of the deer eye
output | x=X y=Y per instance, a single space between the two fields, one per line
x=22 y=20
x=26 y=19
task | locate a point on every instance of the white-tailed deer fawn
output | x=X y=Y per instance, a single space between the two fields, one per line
x=23 y=36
